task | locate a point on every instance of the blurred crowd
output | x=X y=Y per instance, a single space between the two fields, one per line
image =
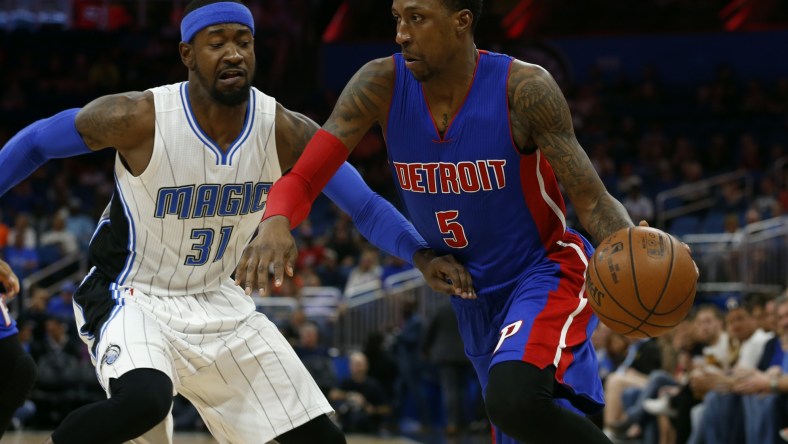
x=714 y=379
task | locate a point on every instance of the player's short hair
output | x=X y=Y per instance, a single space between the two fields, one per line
x=197 y=4
x=475 y=6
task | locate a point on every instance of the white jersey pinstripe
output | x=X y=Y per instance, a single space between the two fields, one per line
x=161 y=297
x=185 y=211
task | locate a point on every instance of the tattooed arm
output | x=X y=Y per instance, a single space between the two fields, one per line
x=364 y=101
x=540 y=113
x=121 y=121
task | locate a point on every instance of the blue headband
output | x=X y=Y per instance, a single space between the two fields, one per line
x=213 y=14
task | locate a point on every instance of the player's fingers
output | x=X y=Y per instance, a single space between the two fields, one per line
x=458 y=278
x=262 y=283
x=291 y=258
x=240 y=270
x=252 y=274
x=279 y=271
x=643 y=223
x=439 y=284
x=468 y=284
x=461 y=279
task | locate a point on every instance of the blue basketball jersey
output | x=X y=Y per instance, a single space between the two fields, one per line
x=471 y=193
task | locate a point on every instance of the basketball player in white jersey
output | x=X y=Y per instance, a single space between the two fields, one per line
x=159 y=310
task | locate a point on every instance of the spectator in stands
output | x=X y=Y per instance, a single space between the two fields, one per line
x=709 y=347
x=639 y=206
x=61 y=304
x=292 y=328
x=366 y=272
x=22 y=259
x=36 y=312
x=56 y=340
x=310 y=251
x=721 y=420
x=443 y=347
x=81 y=225
x=58 y=236
x=643 y=357
x=316 y=358
x=360 y=401
x=637 y=423
x=23 y=230
x=394 y=265
x=411 y=366
x=763 y=391
x=382 y=364
x=329 y=271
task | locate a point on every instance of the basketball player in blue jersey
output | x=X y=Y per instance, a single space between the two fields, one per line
x=17 y=370
x=478 y=143
x=159 y=310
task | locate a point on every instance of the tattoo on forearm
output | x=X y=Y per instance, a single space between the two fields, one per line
x=608 y=217
x=541 y=111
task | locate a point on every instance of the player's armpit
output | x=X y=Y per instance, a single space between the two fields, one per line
x=364 y=101
x=541 y=112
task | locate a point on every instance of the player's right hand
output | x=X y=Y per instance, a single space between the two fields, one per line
x=444 y=274
x=9 y=281
x=273 y=246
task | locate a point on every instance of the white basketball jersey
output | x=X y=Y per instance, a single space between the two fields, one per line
x=181 y=226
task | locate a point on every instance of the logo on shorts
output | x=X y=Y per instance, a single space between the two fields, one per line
x=507 y=332
x=111 y=355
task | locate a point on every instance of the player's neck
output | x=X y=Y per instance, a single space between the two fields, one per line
x=220 y=122
x=455 y=78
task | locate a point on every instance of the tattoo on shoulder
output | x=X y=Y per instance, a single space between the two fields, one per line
x=111 y=118
x=540 y=106
x=363 y=99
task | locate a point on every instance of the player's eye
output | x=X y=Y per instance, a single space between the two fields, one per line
x=416 y=18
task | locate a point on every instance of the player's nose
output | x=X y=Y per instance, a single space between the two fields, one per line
x=403 y=37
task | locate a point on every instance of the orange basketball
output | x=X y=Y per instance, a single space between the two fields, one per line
x=641 y=282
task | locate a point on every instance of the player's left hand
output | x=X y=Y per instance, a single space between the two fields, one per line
x=444 y=274
x=643 y=223
x=273 y=245
x=9 y=281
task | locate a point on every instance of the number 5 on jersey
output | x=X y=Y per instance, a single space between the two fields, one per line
x=453 y=230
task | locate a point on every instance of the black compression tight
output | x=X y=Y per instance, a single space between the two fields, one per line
x=140 y=400
x=519 y=401
x=320 y=429
x=17 y=374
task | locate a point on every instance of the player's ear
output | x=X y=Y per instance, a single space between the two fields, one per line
x=464 y=21
x=187 y=55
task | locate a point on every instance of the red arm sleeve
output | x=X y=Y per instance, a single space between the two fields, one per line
x=292 y=195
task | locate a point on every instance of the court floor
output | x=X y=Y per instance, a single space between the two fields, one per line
x=181 y=438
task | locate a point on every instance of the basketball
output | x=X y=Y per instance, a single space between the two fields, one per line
x=641 y=282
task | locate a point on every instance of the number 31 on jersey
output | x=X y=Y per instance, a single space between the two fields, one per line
x=454 y=233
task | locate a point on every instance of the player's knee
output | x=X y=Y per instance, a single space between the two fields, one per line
x=143 y=396
x=518 y=397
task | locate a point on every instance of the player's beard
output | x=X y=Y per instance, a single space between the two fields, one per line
x=227 y=98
